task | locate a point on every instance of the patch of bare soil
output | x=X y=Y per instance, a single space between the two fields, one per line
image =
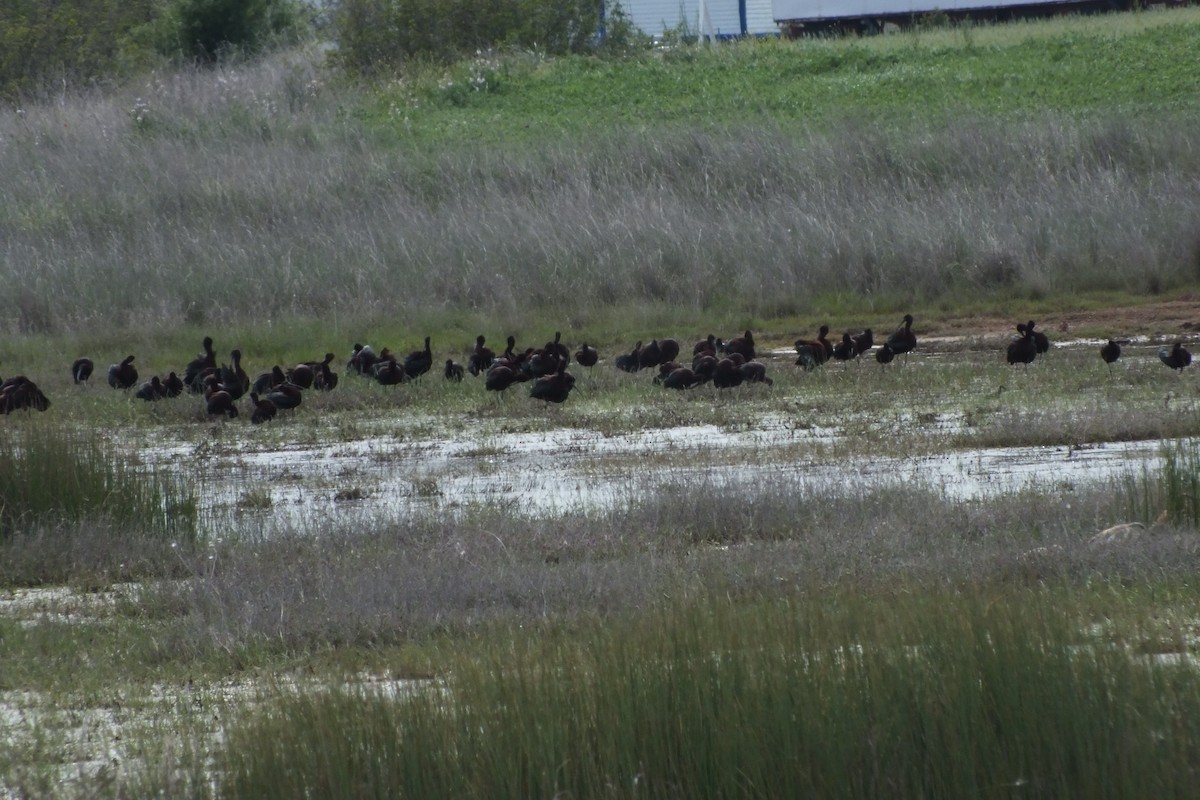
x=1161 y=320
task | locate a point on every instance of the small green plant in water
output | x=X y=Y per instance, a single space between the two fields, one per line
x=1181 y=483
x=50 y=475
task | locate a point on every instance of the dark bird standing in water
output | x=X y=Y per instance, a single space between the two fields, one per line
x=903 y=341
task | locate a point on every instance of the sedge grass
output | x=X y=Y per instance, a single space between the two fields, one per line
x=63 y=492
x=843 y=695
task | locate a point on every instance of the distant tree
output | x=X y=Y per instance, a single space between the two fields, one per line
x=76 y=42
x=383 y=34
x=206 y=29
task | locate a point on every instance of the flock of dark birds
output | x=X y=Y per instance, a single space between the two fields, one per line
x=725 y=364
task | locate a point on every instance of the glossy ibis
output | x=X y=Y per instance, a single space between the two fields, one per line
x=481 y=357
x=194 y=372
x=151 y=390
x=418 y=362
x=81 y=370
x=123 y=375
x=18 y=393
x=1175 y=357
x=586 y=355
x=264 y=409
x=903 y=340
x=452 y=371
x=1024 y=349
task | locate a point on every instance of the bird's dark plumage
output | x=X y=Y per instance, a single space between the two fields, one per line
x=1176 y=357
x=1024 y=349
x=123 y=375
x=1111 y=351
x=18 y=393
x=586 y=355
x=419 y=362
x=81 y=370
x=263 y=410
x=903 y=340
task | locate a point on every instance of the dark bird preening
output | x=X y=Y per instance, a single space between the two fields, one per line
x=555 y=387
x=123 y=375
x=81 y=370
x=1024 y=349
x=903 y=341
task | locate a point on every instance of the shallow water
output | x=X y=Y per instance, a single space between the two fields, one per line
x=560 y=470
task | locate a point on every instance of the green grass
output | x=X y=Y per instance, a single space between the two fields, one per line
x=1127 y=63
x=844 y=695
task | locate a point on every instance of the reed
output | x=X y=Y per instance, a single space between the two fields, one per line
x=840 y=695
x=65 y=494
x=1170 y=493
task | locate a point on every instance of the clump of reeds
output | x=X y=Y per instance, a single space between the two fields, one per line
x=61 y=488
x=1169 y=494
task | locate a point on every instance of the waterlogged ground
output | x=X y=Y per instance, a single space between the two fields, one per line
x=564 y=470
x=953 y=418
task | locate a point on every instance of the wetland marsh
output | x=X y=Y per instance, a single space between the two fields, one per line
x=859 y=581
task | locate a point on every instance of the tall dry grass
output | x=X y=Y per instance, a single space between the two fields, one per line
x=249 y=192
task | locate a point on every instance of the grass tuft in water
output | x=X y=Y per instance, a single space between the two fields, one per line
x=61 y=490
